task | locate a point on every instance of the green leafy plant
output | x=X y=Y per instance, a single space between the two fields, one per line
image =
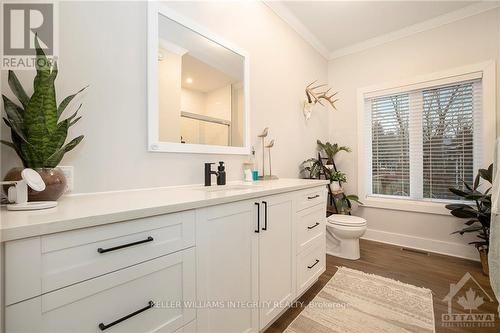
x=310 y=168
x=344 y=203
x=338 y=176
x=478 y=215
x=38 y=134
x=331 y=150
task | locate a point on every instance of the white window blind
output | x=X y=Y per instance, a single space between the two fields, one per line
x=424 y=141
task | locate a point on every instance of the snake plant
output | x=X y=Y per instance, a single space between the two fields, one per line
x=38 y=134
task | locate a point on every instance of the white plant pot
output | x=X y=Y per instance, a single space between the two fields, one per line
x=329 y=166
x=335 y=187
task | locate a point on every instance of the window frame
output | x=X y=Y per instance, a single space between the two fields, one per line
x=487 y=135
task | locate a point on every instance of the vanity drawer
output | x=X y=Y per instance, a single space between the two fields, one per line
x=310 y=265
x=165 y=281
x=311 y=224
x=61 y=259
x=311 y=197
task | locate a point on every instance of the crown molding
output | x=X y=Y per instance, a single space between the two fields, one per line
x=286 y=15
x=433 y=23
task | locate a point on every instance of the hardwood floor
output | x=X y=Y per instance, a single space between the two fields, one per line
x=432 y=271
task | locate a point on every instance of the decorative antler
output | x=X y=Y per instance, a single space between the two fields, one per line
x=316 y=97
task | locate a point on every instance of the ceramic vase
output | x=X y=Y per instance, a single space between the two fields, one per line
x=335 y=186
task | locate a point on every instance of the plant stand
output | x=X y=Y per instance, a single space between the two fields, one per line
x=332 y=196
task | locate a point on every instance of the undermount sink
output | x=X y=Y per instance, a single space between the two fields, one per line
x=234 y=187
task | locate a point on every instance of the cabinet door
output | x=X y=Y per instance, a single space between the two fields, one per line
x=227 y=268
x=276 y=256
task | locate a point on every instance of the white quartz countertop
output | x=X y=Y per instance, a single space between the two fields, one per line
x=86 y=210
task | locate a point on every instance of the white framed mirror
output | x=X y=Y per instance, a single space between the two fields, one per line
x=198 y=91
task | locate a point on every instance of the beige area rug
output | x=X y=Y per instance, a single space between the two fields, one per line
x=354 y=301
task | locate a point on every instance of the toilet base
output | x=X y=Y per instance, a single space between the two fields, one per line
x=347 y=249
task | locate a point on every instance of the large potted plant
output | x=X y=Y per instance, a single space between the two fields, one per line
x=477 y=213
x=38 y=133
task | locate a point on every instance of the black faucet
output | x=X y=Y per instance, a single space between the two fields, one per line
x=221 y=174
x=209 y=173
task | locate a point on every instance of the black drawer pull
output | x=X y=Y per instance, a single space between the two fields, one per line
x=317 y=260
x=265 y=215
x=103 y=326
x=101 y=250
x=258 y=217
x=313 y=226
x=313 y=197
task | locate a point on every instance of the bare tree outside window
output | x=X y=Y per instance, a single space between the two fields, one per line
x=447 y=139
x=390 y=145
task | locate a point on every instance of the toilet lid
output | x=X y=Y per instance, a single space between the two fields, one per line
x=346 y=220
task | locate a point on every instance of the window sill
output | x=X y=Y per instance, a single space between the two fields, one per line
x=407 y=205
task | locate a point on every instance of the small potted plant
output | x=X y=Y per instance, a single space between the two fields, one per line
x=330 y=150
x=477 y=213
x=38 y=132
x=336 y=179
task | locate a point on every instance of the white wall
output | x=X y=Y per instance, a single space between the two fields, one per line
x=169 y=93
x=103 y=44
x=465 y=42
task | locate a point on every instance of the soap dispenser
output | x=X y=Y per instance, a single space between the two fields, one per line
x=221 y=174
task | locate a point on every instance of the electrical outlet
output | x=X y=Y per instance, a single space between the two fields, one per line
x=69 y=174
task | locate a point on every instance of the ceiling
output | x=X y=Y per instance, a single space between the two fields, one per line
x=336 y=27
x=177 y=38
x=204 y=78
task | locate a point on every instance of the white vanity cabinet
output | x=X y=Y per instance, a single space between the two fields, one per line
x=230 y=266
x=248 y=253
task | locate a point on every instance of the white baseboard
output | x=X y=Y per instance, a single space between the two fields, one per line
x=425 y=244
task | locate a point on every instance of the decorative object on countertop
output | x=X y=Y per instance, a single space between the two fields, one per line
x=263 y=135
x=270 y=176
x=249 y=167
x=479 y=215
x=38 y=135
x=313 y=97
x=17 y=192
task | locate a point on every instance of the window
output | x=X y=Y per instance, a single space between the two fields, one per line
x=423 y=139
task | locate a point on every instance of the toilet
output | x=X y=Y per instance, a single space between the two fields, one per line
x=343 y=233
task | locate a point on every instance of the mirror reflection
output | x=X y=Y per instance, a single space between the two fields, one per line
x=200 y=88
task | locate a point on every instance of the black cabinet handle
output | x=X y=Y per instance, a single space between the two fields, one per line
x=317 y=260
x=101 y=250
x=265 y=215
x=313 y=197
x=313 y=226
x=103 y=326
x=258 y=218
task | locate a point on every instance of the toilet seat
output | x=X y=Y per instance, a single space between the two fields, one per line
x=346 y=220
